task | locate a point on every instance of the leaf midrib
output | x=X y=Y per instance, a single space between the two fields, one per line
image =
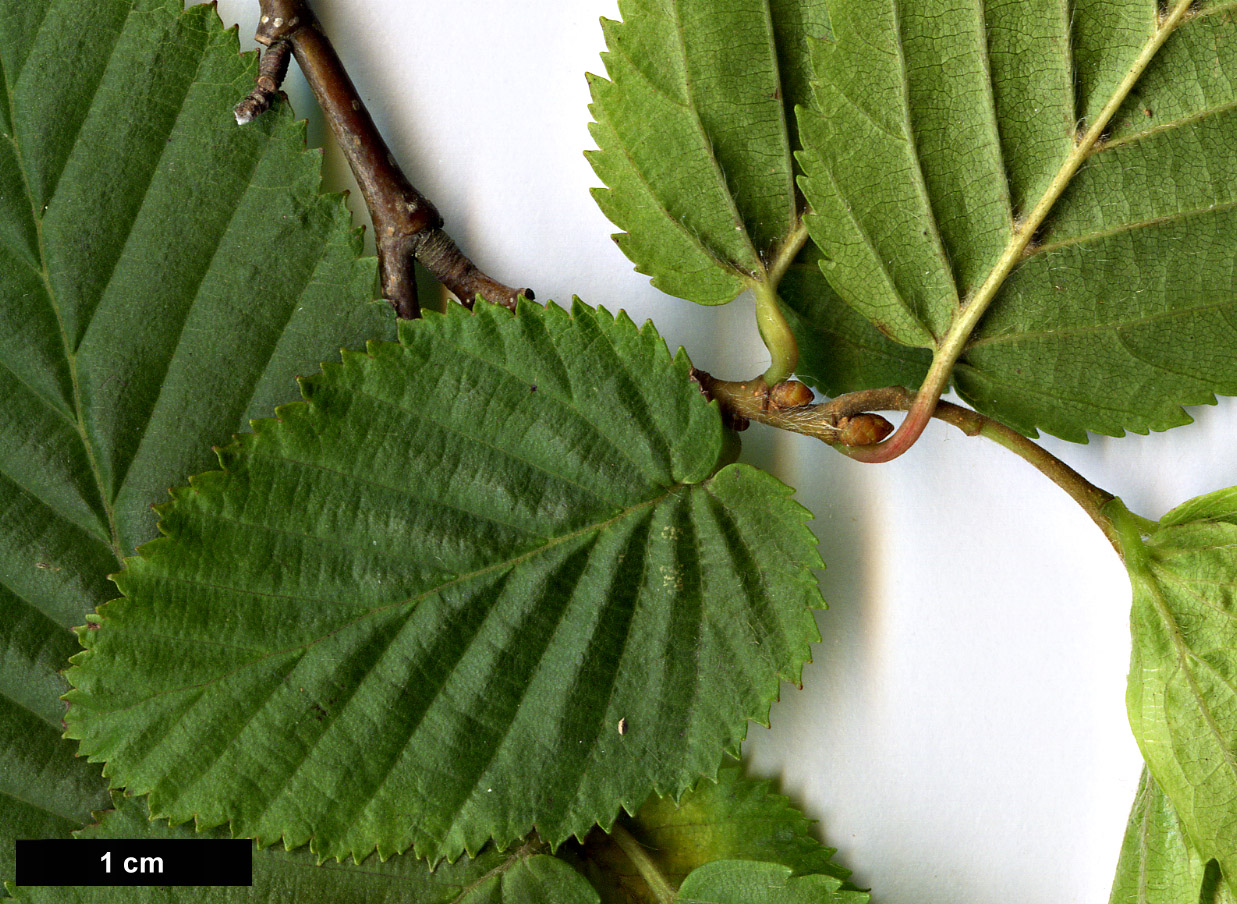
x=525 y=852
x=967 y=319
x=921 y=185
x=78 y=415
x=1145 y=829
x=793 y=205
x=1083 y=238
x=1185 y=656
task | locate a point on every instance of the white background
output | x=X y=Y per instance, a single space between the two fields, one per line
x=961 y=735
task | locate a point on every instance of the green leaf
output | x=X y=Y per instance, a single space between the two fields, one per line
x=1045 y=195
x=163 y=274
x=734 y=818
x=695 y=130
x=1158 y=865
x=416 y=608
x=1183 y=673
x=749 y=882
x=525 y=875
x=839 y=350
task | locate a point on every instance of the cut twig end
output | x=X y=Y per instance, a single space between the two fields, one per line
x=271 y=73
x=250 y=109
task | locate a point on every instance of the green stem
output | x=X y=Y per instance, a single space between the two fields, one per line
x=774 y=330
x=1130 y=530
x=644 y=864
x=1094 y=501
x=953 y=343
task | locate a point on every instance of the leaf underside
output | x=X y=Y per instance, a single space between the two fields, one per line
x=840 y=350
x=416 y=608
x=695 y=133
x=1158 y=865
x=1183 y=671
x=937 y=131
x=144 y=315
x=740 y=882
x=736 y=818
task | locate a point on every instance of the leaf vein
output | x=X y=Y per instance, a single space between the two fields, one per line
x=1199 y=116
x=416 y=598
x=478 y=441
x=196 y=769
x=75 y=820
x=353 y=477
x=675 y=221
x=79 y=419
x=164 y=367
x=494 y=745
x=1082 y=329
x=706 y=139
x=355 y=684
x=916 y=167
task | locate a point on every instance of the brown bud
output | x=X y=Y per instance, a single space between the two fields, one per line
x=790 y=394
x=863 y=430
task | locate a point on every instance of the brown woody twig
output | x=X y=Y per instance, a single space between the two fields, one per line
x=844 y=422
x=849 y=424
x=407 y=226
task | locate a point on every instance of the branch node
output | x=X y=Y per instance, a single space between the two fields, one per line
x=271 y=73
x=406 y=224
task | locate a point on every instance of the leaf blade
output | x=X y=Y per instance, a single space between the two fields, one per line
x=487 y=664
x=1180 y=695
x=1067 y=345
x=1158 y=865
x=130 y=203
x=695 y=134
x=736 y=818
x=749 y=882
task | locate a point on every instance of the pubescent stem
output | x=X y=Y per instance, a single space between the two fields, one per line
x=951 y=346
x=407 y=226
x=835 y=423
x=1130 y=530
x=774 y=330
x=643 y=863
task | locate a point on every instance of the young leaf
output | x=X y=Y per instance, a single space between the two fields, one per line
x=1181 y=696
x=748 y=882
x=695 y=132
x=1044 y=195
x=417 y=607
x=524 y=875
x=734 y=818
x=1158 y=865
x=163 y=274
